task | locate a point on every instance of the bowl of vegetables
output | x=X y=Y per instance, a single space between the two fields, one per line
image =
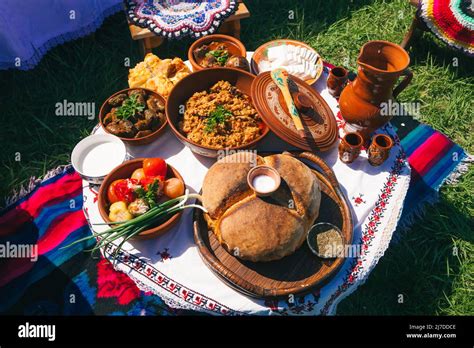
x=142 y=198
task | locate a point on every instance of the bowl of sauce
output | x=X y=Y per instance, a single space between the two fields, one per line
x=96 y=155
x=263 y=180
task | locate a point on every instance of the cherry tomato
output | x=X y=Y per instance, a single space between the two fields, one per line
x=262 y=127
x=174 y=188
x=154 y=167
x=111 y=194
x=138 y=174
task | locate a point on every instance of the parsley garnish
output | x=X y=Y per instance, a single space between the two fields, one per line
x=220 y=55
x=129 y=107
x=150 y=194
x=218 y=116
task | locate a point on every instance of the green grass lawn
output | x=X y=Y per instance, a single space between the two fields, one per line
x=421 y=266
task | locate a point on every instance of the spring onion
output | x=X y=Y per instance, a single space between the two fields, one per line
x=131 y=228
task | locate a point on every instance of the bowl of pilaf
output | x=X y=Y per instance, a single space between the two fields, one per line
x=211 y=111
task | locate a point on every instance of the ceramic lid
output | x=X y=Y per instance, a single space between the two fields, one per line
x=316 y=115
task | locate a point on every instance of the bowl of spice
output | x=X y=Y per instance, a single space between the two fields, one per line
x=325 y=241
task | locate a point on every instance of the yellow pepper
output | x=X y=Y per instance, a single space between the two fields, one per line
x=119 y=212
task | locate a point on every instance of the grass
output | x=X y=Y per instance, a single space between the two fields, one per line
x=422 y=266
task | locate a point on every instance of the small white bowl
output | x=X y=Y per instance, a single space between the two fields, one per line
x=96 y=155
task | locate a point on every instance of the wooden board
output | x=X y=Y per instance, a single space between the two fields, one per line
x=294 y=274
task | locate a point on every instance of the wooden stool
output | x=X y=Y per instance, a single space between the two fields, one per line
x=148 y=40
x=415 y=24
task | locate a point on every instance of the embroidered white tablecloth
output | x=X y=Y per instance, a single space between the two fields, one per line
x=170 y=265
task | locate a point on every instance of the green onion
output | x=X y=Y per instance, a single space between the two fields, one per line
x=131 y=228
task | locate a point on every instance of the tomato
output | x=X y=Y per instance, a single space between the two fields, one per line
x=111 y=194
x=138 y=174
x=262 y=127
x=123 y=190
x=174 y=188
x=154 y=167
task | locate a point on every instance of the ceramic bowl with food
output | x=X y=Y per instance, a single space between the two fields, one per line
x=122 y=195
x=135 y=115
x=97 y=155
x=298 y=58
x=211 y=110
x=218 y=50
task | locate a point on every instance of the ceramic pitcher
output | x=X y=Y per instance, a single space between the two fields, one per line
x=381 y=63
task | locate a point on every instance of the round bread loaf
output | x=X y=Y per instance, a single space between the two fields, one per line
x=260 y=228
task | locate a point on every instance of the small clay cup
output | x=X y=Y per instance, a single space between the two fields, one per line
x=267 y=171
x=379 y=149
x=350 y=146
x=337 y=80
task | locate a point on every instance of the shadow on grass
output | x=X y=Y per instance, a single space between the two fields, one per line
x=425 y=45
x=422 y=267
x=299 y=20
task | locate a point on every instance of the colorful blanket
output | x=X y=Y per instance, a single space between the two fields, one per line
x=61 y=281
x=452 y=21
x=177 y=19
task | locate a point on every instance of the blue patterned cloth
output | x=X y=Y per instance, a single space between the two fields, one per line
x=29 y=28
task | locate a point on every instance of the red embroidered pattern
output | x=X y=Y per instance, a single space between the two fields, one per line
x=370 y=229
x=358 y=200
x=151 y=273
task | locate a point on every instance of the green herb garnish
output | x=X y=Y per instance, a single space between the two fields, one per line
x=220 y=55
x=128 y=229
x=149 y=195
x=130 y=107
x=218 y=116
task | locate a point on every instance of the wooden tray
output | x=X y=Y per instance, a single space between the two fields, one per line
x=294 y=274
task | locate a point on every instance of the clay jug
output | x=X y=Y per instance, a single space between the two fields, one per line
x=381 y=63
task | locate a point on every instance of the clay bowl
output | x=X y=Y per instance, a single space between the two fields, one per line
x=261 y=54
x=105 y=108
x=200 y=81
x=237 y=47
x=124 y=171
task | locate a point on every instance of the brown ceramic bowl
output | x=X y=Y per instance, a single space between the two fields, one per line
x=200 y=81
x=124 y=171
x=238 y=47
x=105 y=108
x=262 y=51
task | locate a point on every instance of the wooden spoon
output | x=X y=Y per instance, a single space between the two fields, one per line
x=280 y=77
